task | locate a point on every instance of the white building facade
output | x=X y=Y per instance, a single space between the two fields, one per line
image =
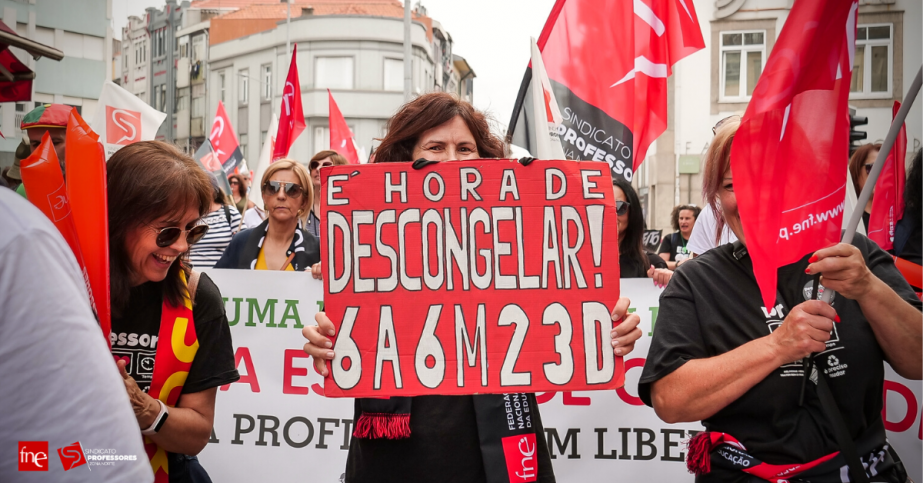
x=718 y=81
x=358 y=57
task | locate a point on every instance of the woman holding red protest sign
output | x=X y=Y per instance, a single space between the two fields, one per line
x=171 y=368
x=446 y=438
x=281 y=241
x=720 y=357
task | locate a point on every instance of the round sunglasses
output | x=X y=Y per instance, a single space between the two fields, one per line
x=168 y=236
x=292 y=190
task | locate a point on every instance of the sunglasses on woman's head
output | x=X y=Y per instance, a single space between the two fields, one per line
x=720 y=123
x=316 y=165
x=621 y=207
x=168 y=236
x=292 y=190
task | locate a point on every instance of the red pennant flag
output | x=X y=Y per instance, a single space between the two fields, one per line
x=608 y=63
x=790 y=155
x=86 y=191
x=888 y=203
x=341 y=138
x=291 y=121
x=224 y=141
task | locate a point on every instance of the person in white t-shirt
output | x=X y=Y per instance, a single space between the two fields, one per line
x=59 y=382
x=704 y=233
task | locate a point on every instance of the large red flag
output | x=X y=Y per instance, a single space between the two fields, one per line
x=224 y=142
x=608 y=63
x=789 y=157
x=888 y=203
x=89 y=205
x=341 y=138
x=291 y=121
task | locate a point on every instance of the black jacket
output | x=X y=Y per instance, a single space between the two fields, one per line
x=245 y=247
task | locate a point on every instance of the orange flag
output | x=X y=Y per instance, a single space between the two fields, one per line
x=86 y=190
x=44 y=182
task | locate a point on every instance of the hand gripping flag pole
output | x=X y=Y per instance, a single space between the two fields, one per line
x=883 y=153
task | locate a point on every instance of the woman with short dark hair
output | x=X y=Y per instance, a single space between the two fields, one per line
x=320 y=160
x=441 y=440
x=860 y=165
x=674 y=246
x=157 y=197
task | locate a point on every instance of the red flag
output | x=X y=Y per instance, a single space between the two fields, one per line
x=789 y=157
x=608 y=63
x=888 y=203
x=86 y=192
x=291 y=122
x=224 y=141
x=341 y=138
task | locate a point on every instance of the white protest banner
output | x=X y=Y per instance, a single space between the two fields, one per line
x=273 y=425
x=122 y=118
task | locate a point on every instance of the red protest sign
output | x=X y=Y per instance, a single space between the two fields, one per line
x=465 y=277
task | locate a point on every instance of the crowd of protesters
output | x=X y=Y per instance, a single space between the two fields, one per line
x=168 y=217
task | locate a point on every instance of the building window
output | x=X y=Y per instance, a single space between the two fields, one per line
x=743 y=55
x=243 y=86
x=394 y=75
x=221 y=87
x=871 y=74
x=243 y=144
x=267 y=82
x=198 y=107
x=333 y=72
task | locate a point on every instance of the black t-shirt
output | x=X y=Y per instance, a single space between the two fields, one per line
x=134 y=337
x=713 y=305
x=627 y=269
x=443 y=447
x=675 y=245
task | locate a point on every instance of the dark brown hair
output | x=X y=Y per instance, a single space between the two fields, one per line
x=146 y=181
x=857 y=160
x=429 y=111
x=674 y=217
x=241 y=188
x=337 y=158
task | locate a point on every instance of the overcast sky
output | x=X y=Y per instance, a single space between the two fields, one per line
x=493 y=35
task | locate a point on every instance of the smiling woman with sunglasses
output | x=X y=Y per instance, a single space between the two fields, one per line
x=157 y=197
x=281 y=241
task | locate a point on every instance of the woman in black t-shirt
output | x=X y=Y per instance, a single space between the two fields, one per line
x=673 y=247
x=448 y=438
x=719 y=357
x=171 y=369
x=634 y=260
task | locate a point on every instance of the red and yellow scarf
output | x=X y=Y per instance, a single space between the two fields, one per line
x=171 y=367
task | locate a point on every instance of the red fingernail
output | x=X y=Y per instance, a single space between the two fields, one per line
x=837 y=319
x=807 y=271
x=812 y=259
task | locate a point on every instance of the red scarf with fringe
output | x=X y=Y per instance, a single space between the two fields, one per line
x=705 y=446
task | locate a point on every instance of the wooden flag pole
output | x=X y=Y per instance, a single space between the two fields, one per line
x=879 y=165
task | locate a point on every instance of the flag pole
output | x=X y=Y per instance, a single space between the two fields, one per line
x=879 y=165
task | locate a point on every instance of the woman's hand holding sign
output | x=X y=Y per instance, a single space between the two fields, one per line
x=319 y=347
x=625 y=333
